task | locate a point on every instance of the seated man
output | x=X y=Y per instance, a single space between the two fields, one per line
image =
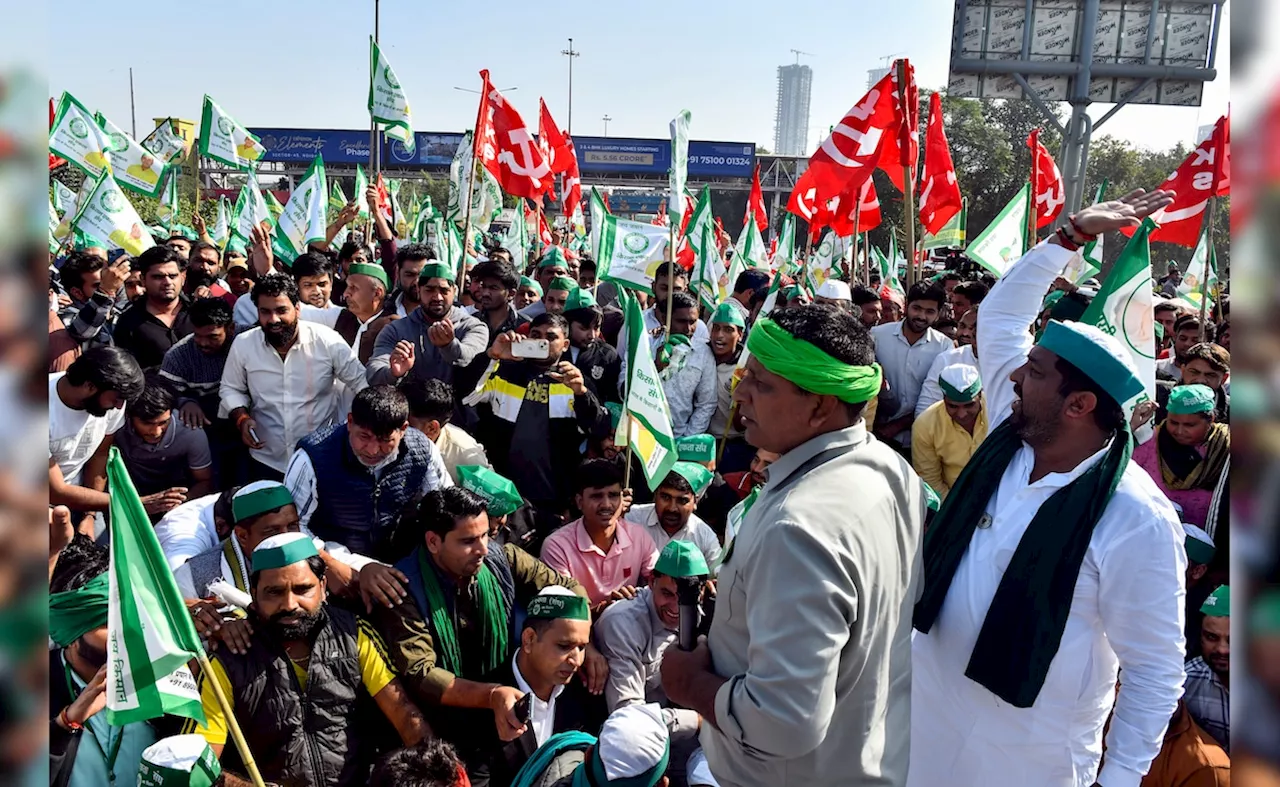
x=302 y=714
x=633 y=750
x=633 y=635
x=160 y=451
x=610 y=556
x=430 y=411
x=453 y=637
x=948 y=432
x=670 y=516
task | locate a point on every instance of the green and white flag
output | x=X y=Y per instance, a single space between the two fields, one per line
x=250 y=210
x=1190 y=290
x=387 y=102
x=337 y=200
x=303 y=220
x=449 y=249
x=1125 y=308
x=226 y=141
x=167 y=210
x=750 y=249
x=54 y=221
x=598 y=212
x=630 y=252
x=486 y=194
x=164 y=143
x=784 y=257
x=516 y=240
x=273 y=205
x=78 y=200
x=823 y=262
x=888 y=271
x=399 y=221
x=77 y=137
x=1088 y=262
x=1005 y=241
x=222 y=224
x=710 y=278
x=150 y=633
x=460 y=171
x=361 y=186
x=133 y=166
x=952 y=234
x=679 y=172
x=108 y=216
x=645 y=425
x=64 y=199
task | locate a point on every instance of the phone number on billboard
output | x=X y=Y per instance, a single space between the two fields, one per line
x=732 y=161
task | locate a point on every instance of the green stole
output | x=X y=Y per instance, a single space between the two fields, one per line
x=490 y=608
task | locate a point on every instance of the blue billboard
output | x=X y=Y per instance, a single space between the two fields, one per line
x=602 y=155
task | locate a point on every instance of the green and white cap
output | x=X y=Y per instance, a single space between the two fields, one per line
x=728 y=314
x=699 y=448
x=698 y=476
x=283 y=550
x=562 y=283
x=434 y=269
x=1099 y=356
x=179 y=761
x=579 y=298
x=681 y=559
x=1200 y=547
x=259 y=498
x=500 y=495
x=555 y=601
x=554 y=258
x=1218 y=604
x=633 y=749
x=369 y=269
x=1191 y=400
x=959 y=383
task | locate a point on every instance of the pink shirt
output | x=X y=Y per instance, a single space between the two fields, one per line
x=570 y=551
x=1195 y=502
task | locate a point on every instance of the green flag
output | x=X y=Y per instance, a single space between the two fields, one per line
x=77 y=137
x=164 y=143
x=1191 y=290
x=952 y=234
x=888 y=271
x=64 y=199
x=750 y=250
x=226 y=141
x=598 y=212
x=822 y=265
x=273 y=205
x=150 y=634
x=387 y=102
x=646 y=418
x=1003 y=243
x=710 y=278
x=250 y=211
x=516 y=240
x=1088 y=262
x=630 y=252
x=109 y=216
x=167 y=210
x=303 y=220
x=133 y=166
x=679 y=172
x=337 y=200
x=784 y=258
x=1125 y=307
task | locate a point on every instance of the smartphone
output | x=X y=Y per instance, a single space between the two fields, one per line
x=523 y=709
x=537 y=349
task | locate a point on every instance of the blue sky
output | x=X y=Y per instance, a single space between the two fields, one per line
x=305 y=63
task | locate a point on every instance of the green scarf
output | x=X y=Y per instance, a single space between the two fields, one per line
x=810 y=368
x=74 y=613
x=492 y=611
x=556 y=745
x=1023 y=628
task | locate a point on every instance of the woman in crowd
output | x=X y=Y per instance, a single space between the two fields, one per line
x=1189 y=452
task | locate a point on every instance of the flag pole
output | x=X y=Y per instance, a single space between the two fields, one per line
x=1031 y=208
x=374 y=162
x=1208 y=259
x=724 y=436
x=228 y=712
x=857 y=225
x=908 y=177
x=671 y=250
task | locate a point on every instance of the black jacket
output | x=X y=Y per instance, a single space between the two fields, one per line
x=601 y=366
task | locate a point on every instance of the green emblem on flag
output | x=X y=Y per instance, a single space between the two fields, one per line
x=79 y=128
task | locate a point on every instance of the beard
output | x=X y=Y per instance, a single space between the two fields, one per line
x=280 y=334
x=297 y=626
x=1034 y=430
x=95 y=408
x=91 y=655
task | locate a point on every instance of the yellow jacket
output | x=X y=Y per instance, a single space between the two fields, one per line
x=940 y=448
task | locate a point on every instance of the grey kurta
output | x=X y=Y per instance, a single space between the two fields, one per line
x=813 y=621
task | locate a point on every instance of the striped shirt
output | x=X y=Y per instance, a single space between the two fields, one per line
x=90 y=322
x=196 y=376
x=1208 y=701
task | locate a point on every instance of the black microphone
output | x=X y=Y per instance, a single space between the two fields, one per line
x=688 y=591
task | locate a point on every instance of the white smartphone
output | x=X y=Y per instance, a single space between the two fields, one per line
x=537 y=349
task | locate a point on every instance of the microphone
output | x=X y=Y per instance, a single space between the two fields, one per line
x=688 y=590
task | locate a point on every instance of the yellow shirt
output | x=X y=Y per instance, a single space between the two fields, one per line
x=940 y=448
x=375 y=674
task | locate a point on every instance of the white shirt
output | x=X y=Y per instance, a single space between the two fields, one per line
x=1126 y=613
x=188 y=530
x=905 y=367
x=695 y=531
x=542 y=716
x=292 y=397
x=245 y=313
x=74 y=435
x=931 y=392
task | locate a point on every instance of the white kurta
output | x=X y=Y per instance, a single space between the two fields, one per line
x=1127 y=612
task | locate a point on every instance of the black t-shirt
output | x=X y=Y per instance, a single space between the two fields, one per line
x=143 y=335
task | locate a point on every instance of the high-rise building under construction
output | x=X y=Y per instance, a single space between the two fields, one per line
x=791 y=124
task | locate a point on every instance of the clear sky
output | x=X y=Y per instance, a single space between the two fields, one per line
x=304 y=63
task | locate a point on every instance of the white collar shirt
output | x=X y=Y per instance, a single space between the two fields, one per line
x=542 y=716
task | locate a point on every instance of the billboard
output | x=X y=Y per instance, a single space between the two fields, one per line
x=604 y=155
x=995 y=29
x=302 y=144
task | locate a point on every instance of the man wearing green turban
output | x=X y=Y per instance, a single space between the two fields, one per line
x=799 y=681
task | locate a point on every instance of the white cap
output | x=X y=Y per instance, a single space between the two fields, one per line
x=556 y=590
x=632 y=741
x=1198 y=534
x=960 y=383
x=834 y=290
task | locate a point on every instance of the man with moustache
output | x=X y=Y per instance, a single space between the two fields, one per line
x=906 y=349
x=1208 y=686
x=276 y=684
x=278 y=384
x=964 y=353
x=495 y=284
x=155 y=322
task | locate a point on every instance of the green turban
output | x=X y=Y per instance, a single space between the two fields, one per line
x=74 y=613
x=810 y=368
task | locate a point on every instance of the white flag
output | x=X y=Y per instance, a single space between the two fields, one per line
x=750 y=250
x=304 y=218
x=824 y=260
x=226 y=141
x=679 y=167
x=250 y=210
x=133 y=166
x=64 y=199
x=111 y=218
x=516 y=241
x=387 y=102
x=222 y=225
x=1005 y=241
x=164 y=143
x=598 y=212
x=77 y=137
x=630 y=252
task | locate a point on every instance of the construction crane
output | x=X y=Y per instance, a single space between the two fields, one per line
x=799 y=53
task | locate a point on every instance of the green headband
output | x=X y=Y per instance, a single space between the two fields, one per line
x=367 y=269
x=268 y=555
x=1218 y=604
x=953 y=394
x=810 y=368
x=1198 y=551
x=580 y=298
x=696 y=448
x=259 y=501
x=74 y=613
x=436 y=270
x=682 y=559
x=551 y=606
x=698 y=476
x=562 y=283
x=1191 y=400
x=728 y=314
x=525 y=281
x=500 y=495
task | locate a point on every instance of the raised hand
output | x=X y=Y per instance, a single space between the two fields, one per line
x=1128 y=211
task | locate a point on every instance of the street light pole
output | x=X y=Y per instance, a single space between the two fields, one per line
x=133 y=109
x=606 y=120
x=571 y=55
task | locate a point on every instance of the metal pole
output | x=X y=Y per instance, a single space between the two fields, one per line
x=606 y=120
x=908 y=177
x=373 y=127
x=571 y=55
x=133 y=110
x=1208 y=258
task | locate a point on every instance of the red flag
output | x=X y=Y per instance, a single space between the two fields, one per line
x=940 y=198
x=507 y=149
x=847 y=157
x=869 y=213
x=384 y=201
x=572 y=179
x=661 y=219
x=1048 y=193
x=840 y=212
x=901 y=140
x=1205 y=173
x=54 y=161
x=552 y=142
x=544 y=232
x=755 y=203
